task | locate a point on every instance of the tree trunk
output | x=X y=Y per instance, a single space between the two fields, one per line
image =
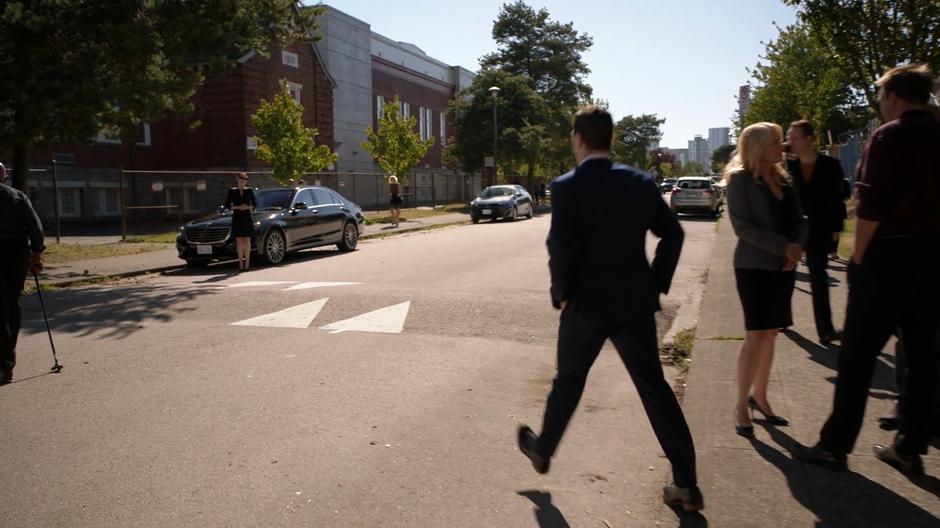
x=530 y=178
x=21 y=168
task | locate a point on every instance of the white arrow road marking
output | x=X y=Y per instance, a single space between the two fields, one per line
x=247 y=284
x=389 y=320
x=307 y=285
x=299 y=316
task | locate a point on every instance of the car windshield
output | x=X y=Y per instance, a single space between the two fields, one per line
x=270 y=198
x=492 y=192
x=695 y=184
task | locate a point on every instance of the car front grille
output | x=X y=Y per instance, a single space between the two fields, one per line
x=206 y=235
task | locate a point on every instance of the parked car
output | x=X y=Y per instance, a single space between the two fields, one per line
x=502 y=201
x=696 y=195
x=667 y=185
x=286 y=220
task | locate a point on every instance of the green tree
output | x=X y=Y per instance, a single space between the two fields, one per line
x=69 y=68
x=720 y=157
x=667 y=170
x=657 y=157
x=799 y=79
x=395 y=145
x=633 y=136
x=692 y=168
x=284 y=141
x=867 y=37
x=521 y=129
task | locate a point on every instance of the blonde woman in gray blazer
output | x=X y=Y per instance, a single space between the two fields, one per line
x=771 y=228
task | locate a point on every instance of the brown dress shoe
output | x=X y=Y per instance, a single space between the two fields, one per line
x=689 y=499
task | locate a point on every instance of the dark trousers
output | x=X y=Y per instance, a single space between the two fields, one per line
x=895 y=287
x=13 y=265
x=817 y=259
x=579 y=342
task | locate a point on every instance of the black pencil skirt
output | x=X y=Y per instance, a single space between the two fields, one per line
x=241 y=224
x=765 y=297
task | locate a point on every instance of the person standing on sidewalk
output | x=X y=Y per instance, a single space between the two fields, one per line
x=818 y=179
x=605 y=288
x=394 y=199
x=241 y=200
x=892 y=275
x=22 y=240
x=771 y=228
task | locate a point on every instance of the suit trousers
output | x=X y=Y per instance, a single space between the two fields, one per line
x=13 y=269
x=895 y=286
x=817 y=259
x=580 y=340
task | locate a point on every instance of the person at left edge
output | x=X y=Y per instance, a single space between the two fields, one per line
x=22 y=240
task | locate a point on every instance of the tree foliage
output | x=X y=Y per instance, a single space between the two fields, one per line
x=522 y=134
x=632 y=137
x=692 y=168
x=284 y=141
x=867 y=37
x=395 y=145
x=69 y=68
x=798 y=79
x=720 y=157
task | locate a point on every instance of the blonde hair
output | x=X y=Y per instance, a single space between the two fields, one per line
x=752 y=143
x=393 y=179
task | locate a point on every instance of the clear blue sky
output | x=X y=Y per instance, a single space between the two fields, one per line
x=680 y=59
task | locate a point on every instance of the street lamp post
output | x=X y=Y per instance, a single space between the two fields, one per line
x=494 y=91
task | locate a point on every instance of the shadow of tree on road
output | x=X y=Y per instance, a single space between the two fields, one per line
x=108 y=312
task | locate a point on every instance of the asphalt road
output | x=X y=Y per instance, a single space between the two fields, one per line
x=401 y=412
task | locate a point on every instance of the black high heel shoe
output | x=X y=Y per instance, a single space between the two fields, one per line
x=769 y=418
x=747 y=431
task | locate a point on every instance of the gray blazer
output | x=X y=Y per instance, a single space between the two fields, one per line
x=760 y=242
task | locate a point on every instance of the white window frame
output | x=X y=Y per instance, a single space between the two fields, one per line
x=106 y=135
x=101 y=192
x=75 y=192
x=379 y=107
x=146 y=141
x=422 y=124
x=291 y=59
x=429 y=127
x=442 y=128
x=295 y=90
x=404 y=109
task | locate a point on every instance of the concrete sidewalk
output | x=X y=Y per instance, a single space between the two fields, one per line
x=167 y=259
x=758 y=482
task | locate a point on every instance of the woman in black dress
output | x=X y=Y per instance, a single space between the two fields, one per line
x=766 y=215
x=241 y=200
x=395 y=201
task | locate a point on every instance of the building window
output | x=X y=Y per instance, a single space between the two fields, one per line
x=70 y=202
x=294 y=89
x=289 y=58
x=404 y=109
x=441 y=130
x=379 y=107
x=429 y=132
x=109 y=134
x=143 y=134
x=422 y=124
x=107 y=202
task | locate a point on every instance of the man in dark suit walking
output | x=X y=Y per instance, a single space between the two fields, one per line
x=818 y=180
x=606 y=288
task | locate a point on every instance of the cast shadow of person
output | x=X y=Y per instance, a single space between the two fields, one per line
x=829 y=357
x=844 y=498
x=546 y=514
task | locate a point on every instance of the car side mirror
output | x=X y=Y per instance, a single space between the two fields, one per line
x=221 y=209
x=300 y=205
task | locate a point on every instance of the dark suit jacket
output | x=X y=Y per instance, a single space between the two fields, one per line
x=601 y=213
x=821 y=198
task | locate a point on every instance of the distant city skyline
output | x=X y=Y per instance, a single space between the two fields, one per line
x=682 y=61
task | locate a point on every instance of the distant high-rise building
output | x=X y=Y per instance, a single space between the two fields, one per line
x=698 y=151
x=718 y=137
x=681 y=155
x=744 y=100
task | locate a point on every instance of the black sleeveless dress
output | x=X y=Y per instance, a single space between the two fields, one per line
x=241 y=220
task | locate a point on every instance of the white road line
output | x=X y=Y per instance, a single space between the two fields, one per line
x=247 y=284
x=308 y=285
x=389 y=320
x=299 y=316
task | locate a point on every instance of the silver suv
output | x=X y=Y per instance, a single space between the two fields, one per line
x=695 y=195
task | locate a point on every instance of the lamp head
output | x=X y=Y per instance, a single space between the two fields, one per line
x=494 y=90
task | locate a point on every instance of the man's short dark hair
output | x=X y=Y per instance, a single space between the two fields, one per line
x=912 y=83
x=595 y=126
x=804 y=126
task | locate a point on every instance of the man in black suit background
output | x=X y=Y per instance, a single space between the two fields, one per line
x=818 y=180
x=606 y=288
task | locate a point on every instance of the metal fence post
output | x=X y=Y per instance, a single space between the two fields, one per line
x=179 y=204
x=123 y=212
x=55 y=200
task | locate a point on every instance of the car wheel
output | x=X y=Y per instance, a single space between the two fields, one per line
x=474 y=220
x=350 y=238
x=274 y=248
x=197 y=264
x=515 y=214
x=531 y=212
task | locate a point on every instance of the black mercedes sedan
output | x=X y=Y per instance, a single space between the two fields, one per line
x=286 y=219
x=502 y=201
